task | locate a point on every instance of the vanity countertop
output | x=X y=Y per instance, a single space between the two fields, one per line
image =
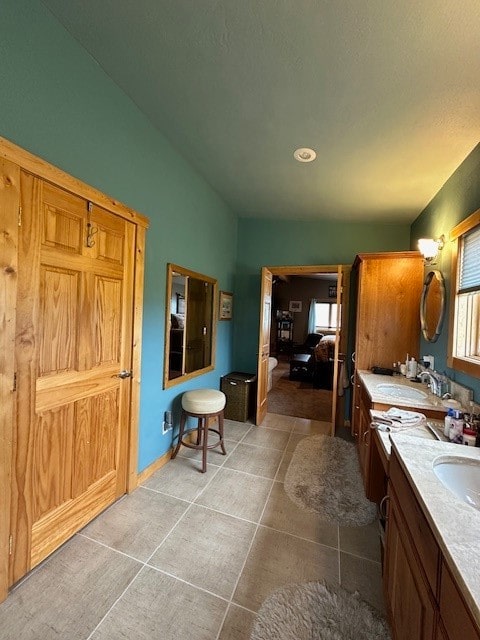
x=455 y=524
x=371 y=382
x=421 y=431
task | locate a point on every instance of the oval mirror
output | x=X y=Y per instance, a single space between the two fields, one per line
x=432 y=305
x=189 y=325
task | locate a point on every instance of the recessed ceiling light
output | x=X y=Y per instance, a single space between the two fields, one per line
x=304 y=154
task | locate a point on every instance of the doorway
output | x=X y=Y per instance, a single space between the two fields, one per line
x=304 y=311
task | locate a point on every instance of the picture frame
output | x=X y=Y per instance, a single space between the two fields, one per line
x=180 y=303
x=332 y=291
x=225 y=306
x=295 y=306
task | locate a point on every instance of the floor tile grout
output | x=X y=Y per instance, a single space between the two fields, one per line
x=251 y=545
x=116 y=601
x=146 y=563
x=190 y=584
x=188 y=508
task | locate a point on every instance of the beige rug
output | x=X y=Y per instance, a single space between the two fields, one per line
x=324 y=477
x=315 y=611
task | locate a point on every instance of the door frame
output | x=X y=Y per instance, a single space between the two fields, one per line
x=13 y=159
x=299 y=270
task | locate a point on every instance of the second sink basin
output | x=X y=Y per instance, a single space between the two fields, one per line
x=400 y=391
x=461 y=476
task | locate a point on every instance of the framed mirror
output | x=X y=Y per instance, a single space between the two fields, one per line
x=189 y=325
x=432 y=305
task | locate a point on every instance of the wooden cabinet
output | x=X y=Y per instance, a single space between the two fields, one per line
x=364 y=433
x=456 y=621
x=422 y=597
x=388 y=288
x=410 y=602
x=371 y=465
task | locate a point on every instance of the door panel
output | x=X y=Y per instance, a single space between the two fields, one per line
x=107 y=322
x=60 y=294
x=74 y=335
x=52 y=460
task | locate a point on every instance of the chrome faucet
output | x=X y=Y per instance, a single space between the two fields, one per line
x=434 y=381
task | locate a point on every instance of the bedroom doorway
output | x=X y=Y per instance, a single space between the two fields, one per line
x=303 y=340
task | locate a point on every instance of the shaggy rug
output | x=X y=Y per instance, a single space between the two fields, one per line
x=315 y=611
x=324 y=477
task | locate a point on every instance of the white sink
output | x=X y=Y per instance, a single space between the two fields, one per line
x=400 y=391
x=461 y=476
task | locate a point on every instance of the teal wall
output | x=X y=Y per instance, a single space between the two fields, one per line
x=456 y=200
x=290 y=242
x=57 y=102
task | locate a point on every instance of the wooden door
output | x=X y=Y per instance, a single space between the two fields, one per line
x=264 y=344
x=336 y=363
x=198 y=334
x=74 y=337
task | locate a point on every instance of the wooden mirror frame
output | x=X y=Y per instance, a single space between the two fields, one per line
x=430 y=333
x=173 y=270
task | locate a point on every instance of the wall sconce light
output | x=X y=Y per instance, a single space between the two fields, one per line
x=429 y=248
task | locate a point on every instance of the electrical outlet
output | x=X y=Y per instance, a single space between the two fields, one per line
x=166 y=427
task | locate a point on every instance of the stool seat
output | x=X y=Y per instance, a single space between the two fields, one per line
x=203 y=401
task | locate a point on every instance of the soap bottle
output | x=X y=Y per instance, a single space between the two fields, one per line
x=448 y=422
x=456 y=427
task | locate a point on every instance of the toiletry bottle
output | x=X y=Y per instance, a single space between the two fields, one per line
x=469 y=434
x=448 y=423
x=412 y=369
x=456 y=427
x=476 y=425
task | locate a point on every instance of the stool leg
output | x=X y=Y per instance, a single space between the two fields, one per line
x=204 y=427
x=183 y=419
x=220 y=428
x=199 y=432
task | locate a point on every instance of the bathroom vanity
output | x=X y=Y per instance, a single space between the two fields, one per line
x=432 y=551
x=380 y=392
x=431 y=554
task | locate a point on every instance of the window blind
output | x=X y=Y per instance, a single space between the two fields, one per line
x=470 y=262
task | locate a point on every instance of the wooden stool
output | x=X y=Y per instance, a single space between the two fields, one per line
x=202 y=404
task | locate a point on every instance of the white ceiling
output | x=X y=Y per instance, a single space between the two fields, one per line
x=386 y=91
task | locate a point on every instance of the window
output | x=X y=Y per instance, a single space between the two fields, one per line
x=325 y=315
x=464 y=348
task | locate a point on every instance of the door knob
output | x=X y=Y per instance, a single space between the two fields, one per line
x=124 y=374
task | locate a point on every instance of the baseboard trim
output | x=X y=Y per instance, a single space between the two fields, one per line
x=157 y=464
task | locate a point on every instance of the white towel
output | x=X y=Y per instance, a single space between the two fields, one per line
x=399 y=419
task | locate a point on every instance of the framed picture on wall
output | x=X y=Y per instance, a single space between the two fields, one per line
x=332 y=291
x=225 y=306
x=180 y=303
x=295 y=306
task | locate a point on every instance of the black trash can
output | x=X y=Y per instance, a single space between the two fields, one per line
x=239 y=389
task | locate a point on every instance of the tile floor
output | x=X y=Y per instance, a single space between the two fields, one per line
x=192 y=555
